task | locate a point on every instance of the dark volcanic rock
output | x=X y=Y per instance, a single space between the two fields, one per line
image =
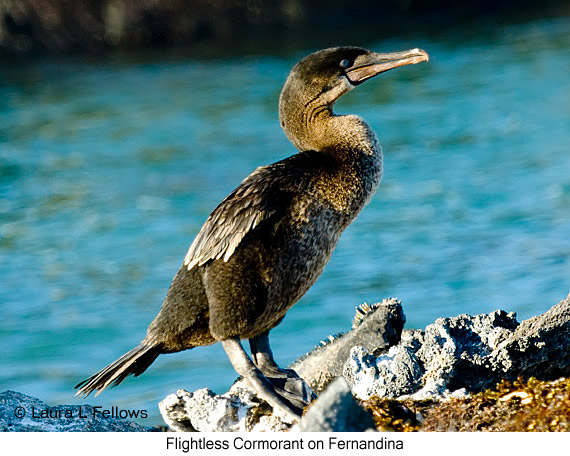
x=539 y=347
x=335 y=411
x=17 y=414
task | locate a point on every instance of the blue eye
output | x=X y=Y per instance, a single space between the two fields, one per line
x=345 y=63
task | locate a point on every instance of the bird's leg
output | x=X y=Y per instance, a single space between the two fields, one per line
x=286 y=382
x=245 y=367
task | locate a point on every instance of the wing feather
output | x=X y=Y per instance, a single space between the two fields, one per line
x=243 y=210
x=265 y=193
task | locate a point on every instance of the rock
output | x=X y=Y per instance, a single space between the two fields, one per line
x=238 y=410
x=335 y=411
x=455 y=352
x=539 y=347
x=19 y=412
x=465 y=354
x=450 y=358
x=389 y=375
x=375 y=327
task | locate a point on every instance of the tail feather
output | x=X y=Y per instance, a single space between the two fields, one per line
x=134 y=362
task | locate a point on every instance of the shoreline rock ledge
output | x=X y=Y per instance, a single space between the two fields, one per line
x=452 y=357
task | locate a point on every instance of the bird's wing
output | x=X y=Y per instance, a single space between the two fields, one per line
x=260 y=196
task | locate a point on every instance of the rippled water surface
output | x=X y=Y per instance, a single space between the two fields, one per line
x=108 y=168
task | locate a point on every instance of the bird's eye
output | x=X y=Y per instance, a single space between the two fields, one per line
x=345 y=63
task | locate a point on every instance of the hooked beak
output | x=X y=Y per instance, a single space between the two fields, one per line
x=370 y=65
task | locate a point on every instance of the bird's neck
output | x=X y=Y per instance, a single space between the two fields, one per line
x=347 y=139
x=320 y=129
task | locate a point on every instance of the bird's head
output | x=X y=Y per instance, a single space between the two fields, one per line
x=321 y=78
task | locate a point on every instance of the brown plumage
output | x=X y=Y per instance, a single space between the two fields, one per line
x=265 y=244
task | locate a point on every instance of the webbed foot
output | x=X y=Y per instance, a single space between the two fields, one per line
x=286 y=382
x=288 y=385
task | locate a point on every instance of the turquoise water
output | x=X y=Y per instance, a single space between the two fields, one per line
x=109 y=166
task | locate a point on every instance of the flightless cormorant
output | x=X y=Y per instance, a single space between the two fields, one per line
x=262 y=248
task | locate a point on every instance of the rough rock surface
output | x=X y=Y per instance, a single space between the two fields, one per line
x=335 y=411
x=236 y=411
x=17 y=410
x=390 y=375
x=465 y=354
x=450 y=358
x=375 y=327
x=539 y=347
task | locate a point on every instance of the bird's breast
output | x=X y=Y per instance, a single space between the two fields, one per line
x=304 y=240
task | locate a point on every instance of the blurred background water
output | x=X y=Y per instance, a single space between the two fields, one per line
x=109 y=165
